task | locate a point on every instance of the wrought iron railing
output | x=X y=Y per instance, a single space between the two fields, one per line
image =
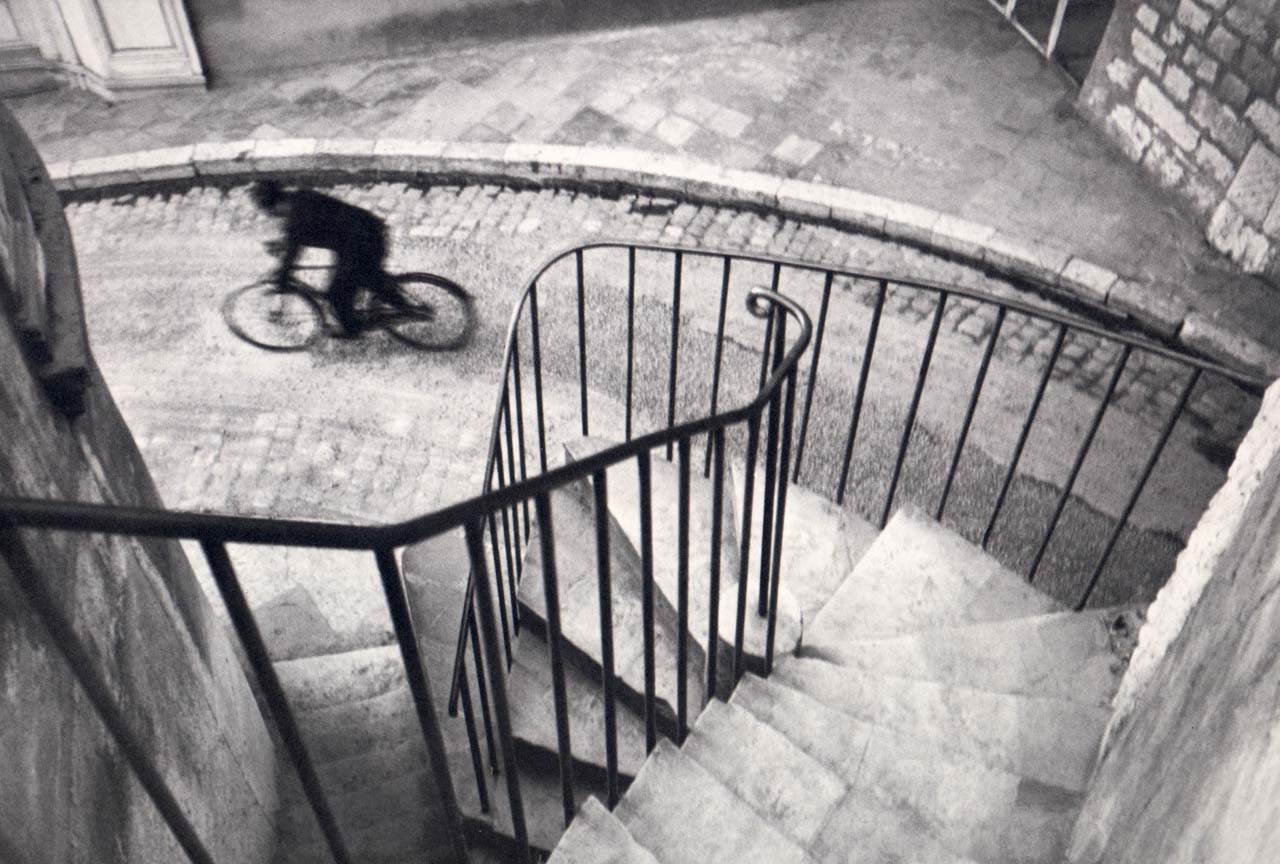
x=669 y=362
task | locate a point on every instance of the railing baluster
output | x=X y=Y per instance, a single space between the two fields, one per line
x=40 y=595
x=1081 y=454
x=582 y=343
x=511 y=472
x=420 y=689
x=473 y=740
x=717 y=531
x=1026 y=430
x=1141 y=485
x=921 y=377
x=524 y=468
x=719 y=353
x=507 y=549
x=682 y=594
x=246 y=628
x=502 y=592
x=766 y=351
x=1055 y=29
x=631 y=331
x=674 y=359
x=770 y=474
x=551 y=586
x=536 y=339
x=816 y=354
x=644 y=469
x=744 y=552
x=485 y=715
x=788 y=415
x=969 y=412
x=497 y=683
x=863 y=372
x=607 y=680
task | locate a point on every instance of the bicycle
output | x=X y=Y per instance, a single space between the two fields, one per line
x=437 y=314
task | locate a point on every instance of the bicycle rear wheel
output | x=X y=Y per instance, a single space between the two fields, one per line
x=275 y=320
x=438 y=316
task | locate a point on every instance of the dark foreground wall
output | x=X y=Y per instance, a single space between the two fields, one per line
x=237 y=37
x=66 y=794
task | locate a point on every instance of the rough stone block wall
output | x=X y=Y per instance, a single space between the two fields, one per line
x=1188 y=89
x=1190 y=770
x=66 y=793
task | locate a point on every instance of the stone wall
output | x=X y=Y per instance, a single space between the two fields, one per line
x=1188 y=89
x=1190 y=768
x=66 y=793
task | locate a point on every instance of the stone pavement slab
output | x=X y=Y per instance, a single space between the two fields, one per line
x=938 y=105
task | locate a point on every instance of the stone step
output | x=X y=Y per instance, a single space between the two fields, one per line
x=392 y=840
x=987 y=813
x=624 y=504
x=578 y=581
x=822 y=542
x=683 y=815
x=786 y=786
x=597 y=837
x=533 y=716
x=919 y=576
x=1051 y=741
x=864 y=829
x=1078 y=656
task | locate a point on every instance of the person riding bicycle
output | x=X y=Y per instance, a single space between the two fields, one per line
x=356 y=237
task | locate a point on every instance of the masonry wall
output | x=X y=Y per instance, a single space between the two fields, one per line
x=1190 y=769
x=66 y=793
x=1188 y=89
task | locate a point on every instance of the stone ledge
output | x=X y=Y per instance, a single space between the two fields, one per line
x=1027 y=259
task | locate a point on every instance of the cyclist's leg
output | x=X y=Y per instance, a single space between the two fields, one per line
x=373 y=258
x=342 y=297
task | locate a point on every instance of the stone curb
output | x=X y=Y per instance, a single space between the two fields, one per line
x=1049 y=268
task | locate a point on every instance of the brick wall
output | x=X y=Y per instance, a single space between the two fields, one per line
x=1188 y=88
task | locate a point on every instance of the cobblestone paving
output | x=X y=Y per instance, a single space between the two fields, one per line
x=1149 y=386
x=934 y=103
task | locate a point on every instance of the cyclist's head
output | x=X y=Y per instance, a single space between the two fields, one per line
x=266 y=193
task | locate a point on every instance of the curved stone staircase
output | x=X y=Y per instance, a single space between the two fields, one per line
x=926 y=705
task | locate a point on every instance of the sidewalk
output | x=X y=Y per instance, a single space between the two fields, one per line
x=932 y=102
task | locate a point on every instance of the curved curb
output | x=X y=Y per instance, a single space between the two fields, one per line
x=1048 y=268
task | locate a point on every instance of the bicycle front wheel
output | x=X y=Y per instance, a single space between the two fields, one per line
x=438 y=315
x=272 y=319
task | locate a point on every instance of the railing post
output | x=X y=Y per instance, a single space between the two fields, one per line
x=744 y=552
x=498 y=686
x=604 y=579
x=717 y=529
x=420 y=688
x=644 y=468
x=551 y=593
x=224 y=577
x=788 y=415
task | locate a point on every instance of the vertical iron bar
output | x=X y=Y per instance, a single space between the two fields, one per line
x=605 y=581
x=550 y=583
x=506 y=534
x=788 y=415
x=631 y=331
x=969 y=412
x=484 y=693
x=536 y=339
x=420 y=688
x=1026 y=431
x=813 y=372
x=644 y=469
x=682 y=595
x=770 y=470
x=717 y=530
x=765 y=352
x=744 y=552
x=502 y=592
x=524 y=468
x=921 y=377
x=865 y=369
x=497 y=682
x=41 y=597
x=256 y=650
x=582 y=344
x=674 y=359
x=473 y=740
x=1142 y=484
x=511 y=472
x=1055 y=29
x=1081 y=454
x=719 y=354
